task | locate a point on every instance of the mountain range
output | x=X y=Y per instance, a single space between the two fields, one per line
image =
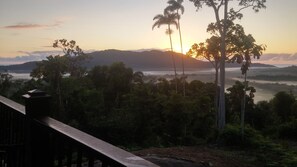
x=153 y=59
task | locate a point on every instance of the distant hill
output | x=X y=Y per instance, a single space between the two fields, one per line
x=25 y=67
x=144 y=60
x=153 y=59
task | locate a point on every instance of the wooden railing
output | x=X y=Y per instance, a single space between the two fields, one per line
x=29 y=138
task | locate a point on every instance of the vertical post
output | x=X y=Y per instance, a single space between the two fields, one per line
x=38 y=148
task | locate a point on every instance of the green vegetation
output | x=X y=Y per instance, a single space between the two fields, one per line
x=260 y=149
x=5 y=83
x=242 y=48
x=118 y=105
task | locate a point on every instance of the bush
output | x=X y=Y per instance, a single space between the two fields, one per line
x=288 y=130
x=267 y=152
x=231 y=136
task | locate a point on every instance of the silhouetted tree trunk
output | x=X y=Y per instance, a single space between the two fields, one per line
x=222 y=118
x=182 y=52
x=172 y=56
x=243 y=106
x=216 y=98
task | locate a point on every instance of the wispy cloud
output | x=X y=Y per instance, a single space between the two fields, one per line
x=39 y=54
x=279 y=58
x=32 y=25
x=23 y=26
x=27 y=56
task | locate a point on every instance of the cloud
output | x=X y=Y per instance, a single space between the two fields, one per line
x=23 y=26
x=40 y=54
x=27 y=57
x=279 y=59
x=32 y=26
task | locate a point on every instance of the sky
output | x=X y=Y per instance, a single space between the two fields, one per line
x=29 y=27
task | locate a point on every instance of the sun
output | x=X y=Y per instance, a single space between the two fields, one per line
x=177 y=48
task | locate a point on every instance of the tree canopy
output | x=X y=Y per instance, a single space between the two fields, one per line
x=221 y=25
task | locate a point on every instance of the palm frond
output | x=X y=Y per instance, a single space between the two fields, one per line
x=159 y=16
x=155 y=24
x=175 y=6
x=166 y=19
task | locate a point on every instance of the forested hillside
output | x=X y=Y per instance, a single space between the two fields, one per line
x=115 y=104
x=137 y=60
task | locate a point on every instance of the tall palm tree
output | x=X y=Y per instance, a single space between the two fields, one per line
x=168 y=19
x=175 y=6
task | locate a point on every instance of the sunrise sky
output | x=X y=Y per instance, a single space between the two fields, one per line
x=30 y=26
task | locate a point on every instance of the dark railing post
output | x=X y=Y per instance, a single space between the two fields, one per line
x=38 y=151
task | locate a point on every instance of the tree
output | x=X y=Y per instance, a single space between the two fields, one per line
x=282 y=105
x=245 y=48
x=174 y=7
x=51 y=71
x=75 y=56
x=114 y=80
x=240 y=49
x=138 y=78
x=231 y=14
x=210 y=51
x=168 y=19
x=235 y=97
x=98 y=75
x=55 y=67
x=5 y=83
x=261 y=117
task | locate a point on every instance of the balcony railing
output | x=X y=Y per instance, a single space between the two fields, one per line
x=29 y=138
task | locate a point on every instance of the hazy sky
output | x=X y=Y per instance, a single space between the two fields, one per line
x=28 y=26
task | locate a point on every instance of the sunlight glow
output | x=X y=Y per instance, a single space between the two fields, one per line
x=92 y=25
x=177 y=49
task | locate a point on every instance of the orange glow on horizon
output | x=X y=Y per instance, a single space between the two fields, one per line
x=177 y=48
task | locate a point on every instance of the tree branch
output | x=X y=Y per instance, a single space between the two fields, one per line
x=216 y=10
x=221 y=4
x=243 y=8
x=212 y=62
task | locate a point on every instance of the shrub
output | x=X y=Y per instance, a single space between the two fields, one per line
x=289 y=130
x=267 y=152
x=231 y=136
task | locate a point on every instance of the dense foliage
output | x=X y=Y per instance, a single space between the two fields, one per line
x=129 y=109
x=126 y=108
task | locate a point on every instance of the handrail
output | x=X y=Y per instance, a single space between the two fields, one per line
x=119 y=155
x=13 y=105
x=111 y=154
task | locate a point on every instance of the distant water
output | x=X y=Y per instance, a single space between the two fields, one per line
x=20 y=76
x=290 y=83
x=195 y=71
x=282 y=65
x=261 y=94
x=154 y=72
